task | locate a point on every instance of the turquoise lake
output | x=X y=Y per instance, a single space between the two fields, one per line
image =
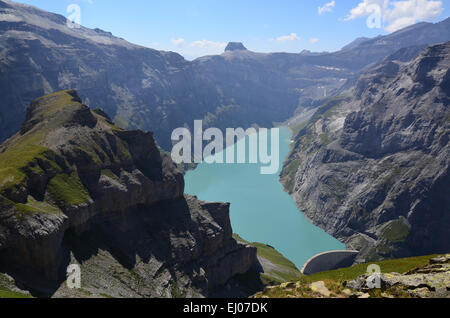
x=261 y=211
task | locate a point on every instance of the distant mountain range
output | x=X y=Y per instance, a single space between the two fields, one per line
x=159 y=91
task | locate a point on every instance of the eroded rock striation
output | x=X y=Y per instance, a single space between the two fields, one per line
x=372 y=168
x=74 y=188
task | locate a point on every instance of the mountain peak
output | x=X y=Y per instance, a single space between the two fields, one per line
x=58 y=109
x=446 y=21
x=235 y=46
x=355 y=43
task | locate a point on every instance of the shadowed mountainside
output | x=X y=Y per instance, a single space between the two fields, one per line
x=372 y=167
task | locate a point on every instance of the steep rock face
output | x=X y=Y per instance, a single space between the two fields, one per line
x=159 y=91
x=235 y=46
x=373 y=169
x=71 y=176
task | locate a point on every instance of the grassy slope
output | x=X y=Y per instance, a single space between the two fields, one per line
x=66 y=189
x=22 y=151
x=334 y=279
x=281 y=270
x=5 y=292
x=389 y=266
x=19 y=158
x=23 y=156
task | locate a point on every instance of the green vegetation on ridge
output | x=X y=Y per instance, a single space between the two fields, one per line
x=334 y=280
x=19 y=158
x=22 y=154
x=396 y=231
x=401 y=265
x=24 y=158
x=8 y=294
x=68 y=190
x=283 y=269
x=34 y=206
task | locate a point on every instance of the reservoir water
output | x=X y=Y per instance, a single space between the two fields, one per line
x=261 y=211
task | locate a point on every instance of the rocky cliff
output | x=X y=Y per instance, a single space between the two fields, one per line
x=372 y=168
x=74 y=188
x=159 y=91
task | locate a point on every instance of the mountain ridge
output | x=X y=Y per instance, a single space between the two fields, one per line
x=159 y=91
x=75 y=189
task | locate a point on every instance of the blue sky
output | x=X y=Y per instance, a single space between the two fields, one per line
x=200 y=27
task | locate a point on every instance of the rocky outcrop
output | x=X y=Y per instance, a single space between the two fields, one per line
x=371 y=168
x=425 y=277
x=160 y=91
x=74 y=188
x=235 y=46
x=430 y=281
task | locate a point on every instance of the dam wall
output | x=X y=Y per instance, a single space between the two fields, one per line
x=329 y=261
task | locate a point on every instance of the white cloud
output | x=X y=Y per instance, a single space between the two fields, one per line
x=194 y=49
x=396 y=15
x=205 y=44
x=314 y=40
x=365 y=8
x=178 y=42
x=290 y=37
x=328 y=7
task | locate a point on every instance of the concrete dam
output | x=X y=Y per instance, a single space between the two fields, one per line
x=329 y=261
